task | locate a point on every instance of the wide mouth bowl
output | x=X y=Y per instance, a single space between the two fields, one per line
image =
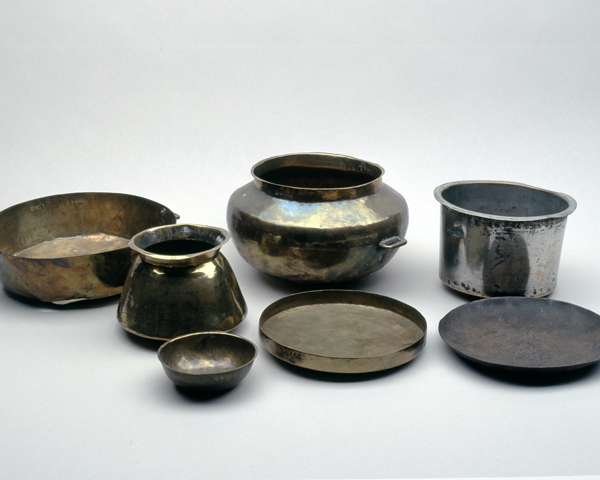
x=179 y=245
x=317 y=174
x=207 y=354
x=77 y=224
x=506 y=201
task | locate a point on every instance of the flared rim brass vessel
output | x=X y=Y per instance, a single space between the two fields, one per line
x=317 y=217
x=180 y=283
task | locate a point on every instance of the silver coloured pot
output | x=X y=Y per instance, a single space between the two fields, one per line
x=501 y=238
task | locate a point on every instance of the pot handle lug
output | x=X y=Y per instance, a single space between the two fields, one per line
x=393 y=242
x=455 y=230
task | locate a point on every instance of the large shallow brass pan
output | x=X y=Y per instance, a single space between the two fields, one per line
x=73 y=246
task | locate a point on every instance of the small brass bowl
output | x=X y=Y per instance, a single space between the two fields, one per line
x=207 y=361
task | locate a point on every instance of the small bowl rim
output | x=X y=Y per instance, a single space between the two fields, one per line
x=213 y=333
x=438 y=194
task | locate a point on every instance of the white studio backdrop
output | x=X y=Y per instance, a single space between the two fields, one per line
x=175 y=101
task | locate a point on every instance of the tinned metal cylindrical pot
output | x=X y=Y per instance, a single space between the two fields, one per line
x=180 y=283
x=501 y=238
x=317 y=217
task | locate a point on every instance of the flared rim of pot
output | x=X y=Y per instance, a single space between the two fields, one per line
x=317 y=176
x=179 y=245
x=549 y=204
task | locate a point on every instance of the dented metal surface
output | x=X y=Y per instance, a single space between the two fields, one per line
x=500 y=238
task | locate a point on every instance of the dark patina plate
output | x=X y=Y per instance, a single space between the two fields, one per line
x=524 y=334
x=342 y=331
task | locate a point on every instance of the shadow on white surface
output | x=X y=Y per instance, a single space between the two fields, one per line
x=532 y=379
x=141 y=342
x=76 y=305
x=342 y=377
x=164 y=392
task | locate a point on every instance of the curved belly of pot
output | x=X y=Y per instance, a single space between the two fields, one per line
x=162 y=302
x=317 y=242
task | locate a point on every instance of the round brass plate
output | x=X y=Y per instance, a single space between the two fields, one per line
x=342 y=331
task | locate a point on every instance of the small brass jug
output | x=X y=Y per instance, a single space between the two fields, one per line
x=180 y=283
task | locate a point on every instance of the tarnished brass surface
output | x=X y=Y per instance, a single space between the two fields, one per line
x=317 y=217
x=171 y=293
x=73 y=246
x=501 y=238
x=207 y=361
x=342 y=331
x=533 y=335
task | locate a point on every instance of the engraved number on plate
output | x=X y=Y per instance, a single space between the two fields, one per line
x=291 y=355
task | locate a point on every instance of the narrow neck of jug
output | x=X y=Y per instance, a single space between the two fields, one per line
x=182 y=245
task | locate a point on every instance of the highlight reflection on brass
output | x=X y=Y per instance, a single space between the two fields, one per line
x=207 y=361
x=201 y=365
x=74 y=246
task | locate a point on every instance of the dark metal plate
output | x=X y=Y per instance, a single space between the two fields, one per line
x=342 y=331
x=524 y=334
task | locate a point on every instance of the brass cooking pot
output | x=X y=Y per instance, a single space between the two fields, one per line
x=317 y=217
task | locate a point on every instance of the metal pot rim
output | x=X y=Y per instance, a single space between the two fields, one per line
x=572 y=204
x=323 y=193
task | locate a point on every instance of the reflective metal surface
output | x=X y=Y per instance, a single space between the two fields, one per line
x=500 y=238
x=74 y=246
x=524 y=334
x=207 y=361
x=342 y=331
x=180 y=283
x=317 y=217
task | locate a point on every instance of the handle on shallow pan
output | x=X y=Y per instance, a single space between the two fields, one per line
x=393 y=242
